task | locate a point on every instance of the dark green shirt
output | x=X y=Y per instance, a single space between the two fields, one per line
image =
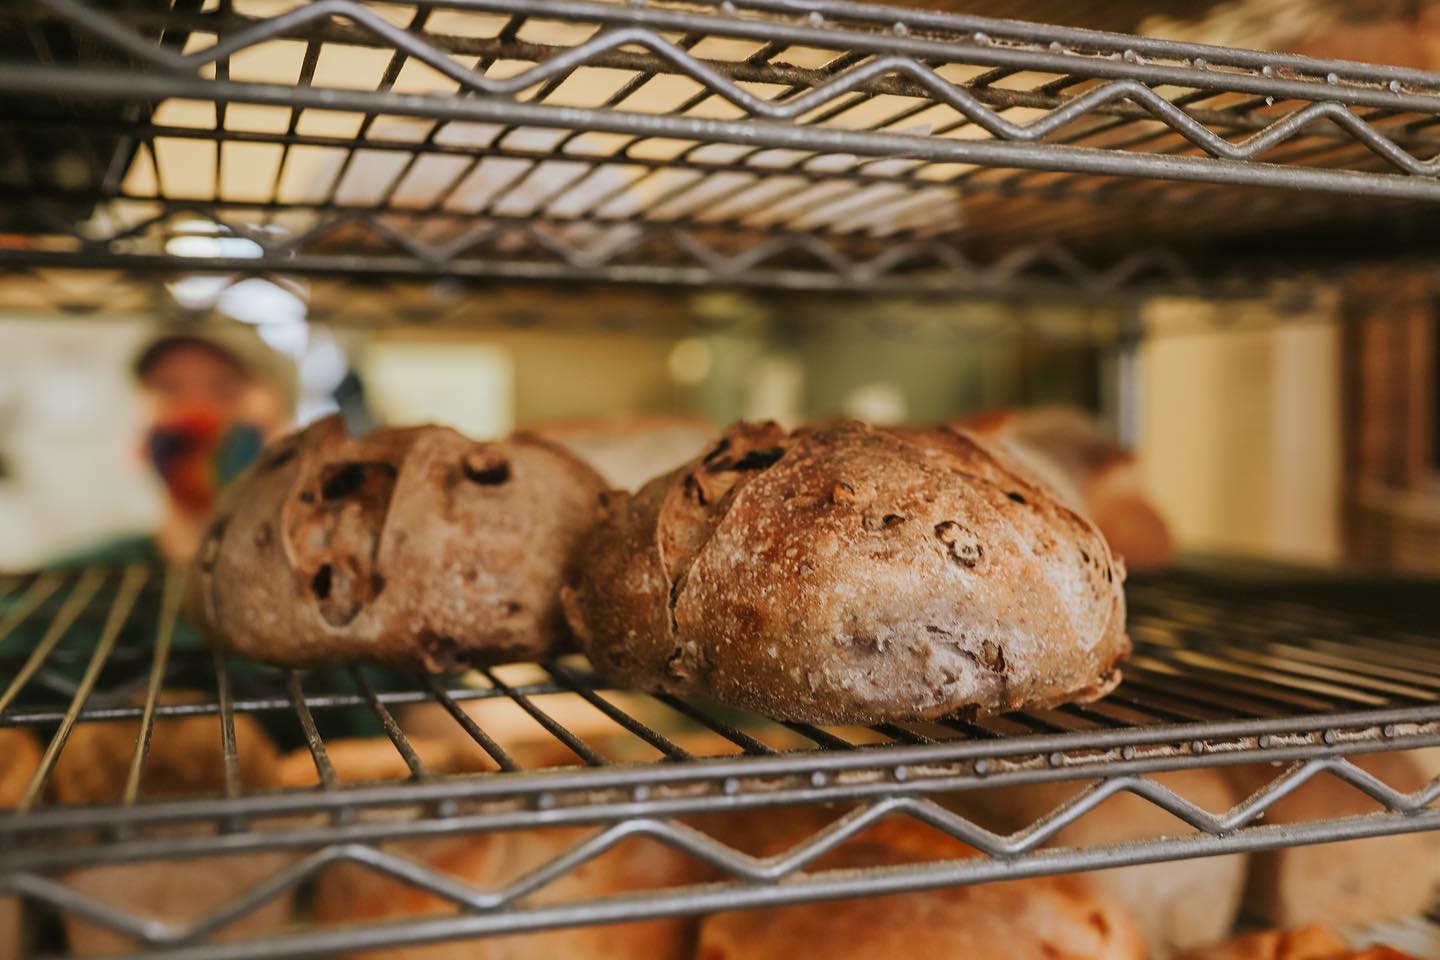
x=189 y=665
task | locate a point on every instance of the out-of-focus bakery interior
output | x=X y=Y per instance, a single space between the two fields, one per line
x=1298 y=425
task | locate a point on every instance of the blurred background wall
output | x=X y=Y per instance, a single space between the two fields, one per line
x=1308 y=433
x=1239 y=432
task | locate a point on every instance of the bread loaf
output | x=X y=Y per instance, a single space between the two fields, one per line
x=367 y=759
x=1178 y=904
x=510 y=725
x=1040 y=919
x=416 y=547
x=851 y=575
x=1313 y=942
x=1069 y=449
x=1358 y=881
x=185 y=759
x=19 y=758
x=347 y=893
x=629 y=451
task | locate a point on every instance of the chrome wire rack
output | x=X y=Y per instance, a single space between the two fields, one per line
x=786 y=144
x=1298 y=671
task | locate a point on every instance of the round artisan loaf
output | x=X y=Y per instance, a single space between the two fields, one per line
x=19 y=758
x=1044 y=918
x=1073 y=453
x=851 y=575
x=414 y=547
x=1313 y=942
x=1178 y=903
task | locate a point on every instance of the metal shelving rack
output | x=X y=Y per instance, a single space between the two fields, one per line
x=788 y=144
x=802 y=146
x=1226 y=671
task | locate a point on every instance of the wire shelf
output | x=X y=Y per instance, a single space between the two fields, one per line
x=786 y=144
x=1257 y=667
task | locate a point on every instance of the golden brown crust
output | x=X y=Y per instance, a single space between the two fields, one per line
x=1049 y=918
x=851 y=575
x=1178 y=904
x=347 y=893
x=1359 y=881
x=368 y=759
x=185 y=757
x=416 y=547
x=19 y=756
x=1313 y=942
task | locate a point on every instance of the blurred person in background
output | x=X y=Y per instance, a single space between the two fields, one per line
x=213 y=395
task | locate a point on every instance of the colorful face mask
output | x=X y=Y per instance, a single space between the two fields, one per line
x=196 y=456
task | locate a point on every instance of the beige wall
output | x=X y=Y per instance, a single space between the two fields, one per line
x=1240 y=434
x=69 y=428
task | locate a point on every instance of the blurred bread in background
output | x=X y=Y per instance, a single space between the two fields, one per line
x=1359 y=881
x=1038 y=919
x=1313 y=942
x=348 y=893
x=185 y=760
x=628 y=451
x=19 y=758
x=1177 y=904
x=366 y=759
x=1069 y=450
x=514 y=729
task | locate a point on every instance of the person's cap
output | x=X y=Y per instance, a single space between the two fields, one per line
x=238 y=341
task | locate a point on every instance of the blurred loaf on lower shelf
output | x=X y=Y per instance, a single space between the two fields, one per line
x=350 y=893
x=1038 y=919
x=628 y=451
x=1358 y=881
x=19 y=759
x=185 y=760
x=1313 y=942
x=1179 y=903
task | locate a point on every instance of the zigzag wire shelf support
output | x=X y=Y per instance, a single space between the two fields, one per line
x=754 y=881
x=905 y=266
x=1129 y=80
x=1348 y=109
x=1391 y=693
x=1226 y=163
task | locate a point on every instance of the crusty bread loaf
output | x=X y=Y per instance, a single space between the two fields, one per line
x=19 y=758
x=851 y=575
x=347 y=893
x=185 y=759
x=627 y=451
x=1358 y=881
x=1069 y=449
x=415 y=547
x=1313 y=942
x=1178 y=904
x=1039 y=919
